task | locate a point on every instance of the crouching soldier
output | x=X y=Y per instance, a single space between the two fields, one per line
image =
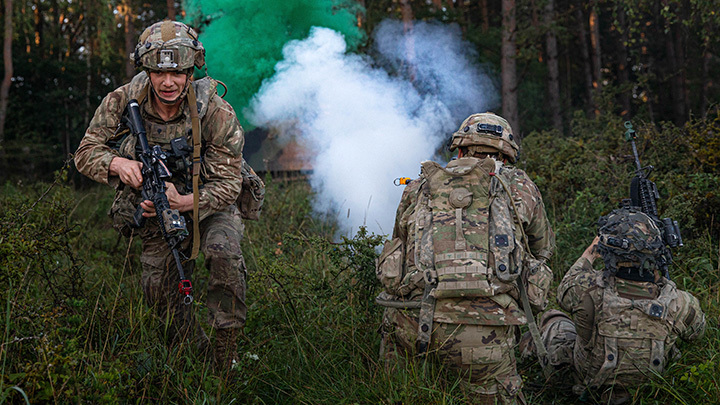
x=469 y=243
x=626 y=318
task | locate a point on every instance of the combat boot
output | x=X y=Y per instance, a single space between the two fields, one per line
x=226 y=357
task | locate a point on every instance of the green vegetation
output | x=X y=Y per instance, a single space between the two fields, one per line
x=77 y=329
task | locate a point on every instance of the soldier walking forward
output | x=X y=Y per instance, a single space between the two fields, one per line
x=470 y=239
x=179 y=114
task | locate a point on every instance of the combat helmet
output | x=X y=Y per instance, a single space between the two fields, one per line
x=169 y=46
x=486 y=132
x=631 y=244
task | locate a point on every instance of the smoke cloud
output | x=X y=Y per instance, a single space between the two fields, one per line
x=367 y=126
x=244 y=39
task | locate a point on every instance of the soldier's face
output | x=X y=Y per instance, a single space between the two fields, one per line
x=168 y=85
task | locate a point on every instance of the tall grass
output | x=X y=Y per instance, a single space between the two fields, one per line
x=76 y=328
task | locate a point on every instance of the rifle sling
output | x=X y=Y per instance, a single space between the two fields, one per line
x=192 y=101
x=532 y=325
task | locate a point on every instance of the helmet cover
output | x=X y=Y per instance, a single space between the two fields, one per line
x=169 y=46
x=629 y=239
x=487 y=131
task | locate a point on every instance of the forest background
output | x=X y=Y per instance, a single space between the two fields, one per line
x=568 y=74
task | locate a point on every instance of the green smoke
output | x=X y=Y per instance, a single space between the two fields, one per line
x=244 y=38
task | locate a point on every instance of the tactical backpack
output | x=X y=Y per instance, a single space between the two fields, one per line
x=474 y=250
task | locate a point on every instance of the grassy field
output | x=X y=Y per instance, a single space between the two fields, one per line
x=76 y=329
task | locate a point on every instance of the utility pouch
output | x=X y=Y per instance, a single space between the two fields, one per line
x=389 y=268
x=537 y=278
x=252 y=194
x=121 y=212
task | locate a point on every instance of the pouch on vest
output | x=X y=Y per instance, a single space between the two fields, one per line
x=460 y=202
x=252 y=194
x=538 y=278
x=634 y=332
x=389 y=266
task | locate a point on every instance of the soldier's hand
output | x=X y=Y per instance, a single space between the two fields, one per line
x=129 y=171
x=149 y=208
x=180 y=202
x=591 y=252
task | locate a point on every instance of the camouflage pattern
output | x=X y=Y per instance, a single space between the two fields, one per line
x=541 y=241
x=220 y=224
x=169 y=46
x=486 y=132
x=222 y=137
x=630 y=238
x=220 y=236
x=478 y=329
x=481 y=356
x=626 y=331
x=460 y=205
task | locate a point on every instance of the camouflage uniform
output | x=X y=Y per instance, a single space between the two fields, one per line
x=473 y=336
x=220 y=225
x=624 y=331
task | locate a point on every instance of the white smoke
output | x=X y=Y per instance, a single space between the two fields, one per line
x=365 y=126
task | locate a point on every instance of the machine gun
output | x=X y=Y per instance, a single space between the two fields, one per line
x=644 y=194
x=155 y=172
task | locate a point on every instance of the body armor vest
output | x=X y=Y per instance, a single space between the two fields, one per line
x=633 y=337
x=175 y=138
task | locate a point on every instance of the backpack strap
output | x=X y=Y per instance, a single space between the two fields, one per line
x=423 y=237
x=532 y=325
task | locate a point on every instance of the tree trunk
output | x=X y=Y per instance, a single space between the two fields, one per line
x=676 y=92
x=7 y=79
x=706 y=81
x=623 y=73
x=485 y=15
x=553 y=69
x=407 y=17
x=171 y=10
x=129 y=40
x=595 y=46
x=680 y=76
x=585 y=56
x=508 y=67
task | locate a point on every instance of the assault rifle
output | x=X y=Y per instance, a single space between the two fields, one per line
x=644 y=194
x=155 y=172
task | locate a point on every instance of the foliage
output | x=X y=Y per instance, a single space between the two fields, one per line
x=76 y=327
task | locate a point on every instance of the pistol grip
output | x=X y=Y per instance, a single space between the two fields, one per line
x=138 y=220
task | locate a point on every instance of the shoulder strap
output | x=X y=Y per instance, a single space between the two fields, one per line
x=423 y=236
x=532 y=325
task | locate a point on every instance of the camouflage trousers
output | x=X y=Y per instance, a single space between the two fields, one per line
x=559 y=335
x=482 y=356
x=220 y=236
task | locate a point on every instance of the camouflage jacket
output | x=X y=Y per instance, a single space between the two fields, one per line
x=626 y=327
x=222 y=142
x=502 y=309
